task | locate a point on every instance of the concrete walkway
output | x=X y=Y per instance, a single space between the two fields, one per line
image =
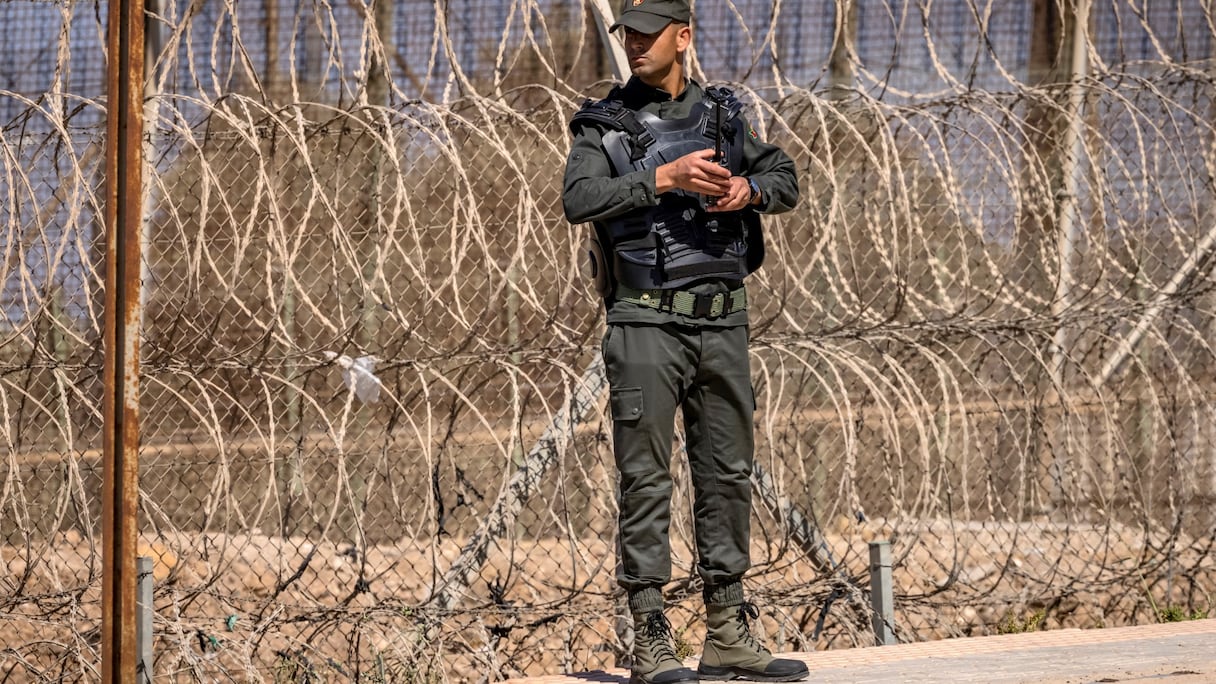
x=1176 y=653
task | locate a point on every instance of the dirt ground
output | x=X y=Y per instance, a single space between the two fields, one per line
x=252 y=607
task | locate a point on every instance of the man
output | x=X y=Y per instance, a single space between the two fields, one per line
x=673 y=180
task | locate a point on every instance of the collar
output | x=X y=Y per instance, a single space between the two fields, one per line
x=641 y=93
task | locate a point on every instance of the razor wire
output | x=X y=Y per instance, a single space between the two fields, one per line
x=374 y=441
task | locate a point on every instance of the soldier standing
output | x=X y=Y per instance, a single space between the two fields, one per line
x=673 y=180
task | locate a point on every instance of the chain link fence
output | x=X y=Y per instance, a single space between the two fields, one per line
x=374 y=446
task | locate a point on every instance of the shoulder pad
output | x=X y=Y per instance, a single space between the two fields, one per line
x=605 y=112
x=613 y=115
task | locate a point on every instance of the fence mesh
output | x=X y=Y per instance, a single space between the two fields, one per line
x=374 y=442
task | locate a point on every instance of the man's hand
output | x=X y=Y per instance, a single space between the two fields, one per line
x=695 y=172
x=738 y=196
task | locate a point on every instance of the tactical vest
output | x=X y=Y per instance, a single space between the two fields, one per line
x=676 y=242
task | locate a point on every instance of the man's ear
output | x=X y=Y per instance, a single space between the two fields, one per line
x=683 y=38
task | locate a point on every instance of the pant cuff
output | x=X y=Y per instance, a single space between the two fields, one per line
x=724 y=594
x=646 y=600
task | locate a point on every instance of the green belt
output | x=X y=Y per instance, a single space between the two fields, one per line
x=686 y=303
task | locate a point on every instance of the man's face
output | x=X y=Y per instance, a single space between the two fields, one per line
x=651 y=55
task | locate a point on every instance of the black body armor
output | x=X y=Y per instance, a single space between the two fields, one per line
x=677 y=242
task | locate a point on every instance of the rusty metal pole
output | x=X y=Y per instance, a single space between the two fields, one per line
x=120 y=401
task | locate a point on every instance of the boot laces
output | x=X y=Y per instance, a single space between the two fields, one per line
x=658 y=630
x=748 y=612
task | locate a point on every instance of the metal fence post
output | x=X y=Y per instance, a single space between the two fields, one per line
x=882 y=597
x=143 y=625
x=120 y=402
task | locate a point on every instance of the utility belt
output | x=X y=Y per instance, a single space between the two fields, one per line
x=686 y=303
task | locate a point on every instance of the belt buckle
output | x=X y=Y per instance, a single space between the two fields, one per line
x=707 y=306
x=667 y=301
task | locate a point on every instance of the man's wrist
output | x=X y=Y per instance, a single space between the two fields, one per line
x=662 y=183
x=756 y=195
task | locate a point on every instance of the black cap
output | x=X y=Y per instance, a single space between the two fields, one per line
x=652 y=16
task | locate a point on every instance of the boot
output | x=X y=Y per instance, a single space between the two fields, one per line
x=654 y=655
x=733 y=652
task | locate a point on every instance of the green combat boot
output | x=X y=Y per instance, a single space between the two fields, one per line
x=733 y=652
x=654 y=655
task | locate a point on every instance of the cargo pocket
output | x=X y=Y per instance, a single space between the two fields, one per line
x=626 y=404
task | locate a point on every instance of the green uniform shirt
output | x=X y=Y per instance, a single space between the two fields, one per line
x=592 y=193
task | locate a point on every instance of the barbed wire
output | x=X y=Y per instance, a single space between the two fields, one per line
x=374 y=442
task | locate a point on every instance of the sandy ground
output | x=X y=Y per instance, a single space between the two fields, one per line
x=267 y=608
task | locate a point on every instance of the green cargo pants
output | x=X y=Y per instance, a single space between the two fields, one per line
x=651 y=370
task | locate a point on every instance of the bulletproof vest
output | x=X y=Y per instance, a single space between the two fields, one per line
x=676 y=242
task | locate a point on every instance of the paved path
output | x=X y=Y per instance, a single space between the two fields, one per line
x=1175 y=653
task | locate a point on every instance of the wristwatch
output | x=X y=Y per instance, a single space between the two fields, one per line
x=751 y=183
